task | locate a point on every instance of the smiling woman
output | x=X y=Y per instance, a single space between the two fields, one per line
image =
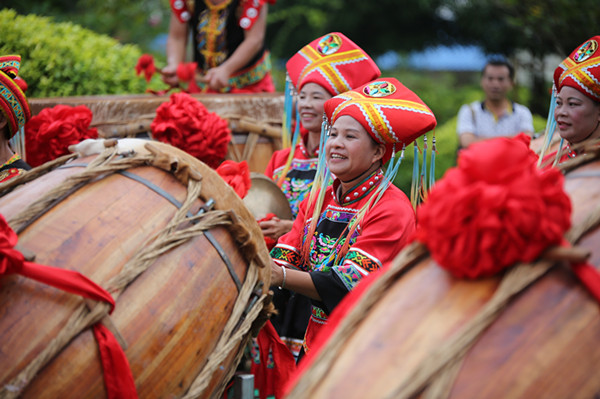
x=577 y=102
x=351 y=153
x=577 y=116
x=327 y=66
x=346 y=231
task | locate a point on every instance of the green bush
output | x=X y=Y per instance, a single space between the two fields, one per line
x=63 y=59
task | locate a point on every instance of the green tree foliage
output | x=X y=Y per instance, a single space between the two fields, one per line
x=63 y=59
x=539 y=27
x=375 y=26
x=128 y=21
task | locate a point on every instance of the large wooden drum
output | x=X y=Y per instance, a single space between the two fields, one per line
x=254 y=119
x=173 y=244
x=419 y=332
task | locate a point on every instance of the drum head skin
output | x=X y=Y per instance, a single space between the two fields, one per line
x=265 y=197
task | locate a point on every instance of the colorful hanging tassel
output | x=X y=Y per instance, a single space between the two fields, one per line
x=432 y=167
x=550 y=127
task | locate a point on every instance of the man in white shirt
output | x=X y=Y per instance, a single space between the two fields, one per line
x=496 y=116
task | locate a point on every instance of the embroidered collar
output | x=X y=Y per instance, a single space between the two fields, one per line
x=302 y=146
x=216 y=7
x=570 y=152
x=12 y=159
x=359 y=191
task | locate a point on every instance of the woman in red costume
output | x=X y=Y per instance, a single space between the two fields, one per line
x=326 y=67
x=229 y=44
x=358 y=224
x=577 y=103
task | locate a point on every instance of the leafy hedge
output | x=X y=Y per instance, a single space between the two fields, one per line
x=63 y=59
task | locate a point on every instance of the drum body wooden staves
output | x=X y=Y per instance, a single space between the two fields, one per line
x=171 y=316
x=544 y=344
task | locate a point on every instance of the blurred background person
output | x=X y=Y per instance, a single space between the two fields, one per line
x=496 y=115
x=228 y=44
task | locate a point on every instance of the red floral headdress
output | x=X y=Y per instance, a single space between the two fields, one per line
x=392 y=114
x=185 y=123
x=581 y=69
x=334 y=62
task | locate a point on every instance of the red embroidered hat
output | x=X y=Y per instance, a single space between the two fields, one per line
x=392 y=114
x=13 y=102
x=334 y=62
x=581 y=69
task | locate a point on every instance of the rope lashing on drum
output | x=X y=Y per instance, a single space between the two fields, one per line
x=205 y=208
x=232 y=336
x=180 y=230
x=94 y=170
x=447 y=358
x=451 y=353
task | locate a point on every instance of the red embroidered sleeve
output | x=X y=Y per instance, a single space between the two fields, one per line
x=180 y=10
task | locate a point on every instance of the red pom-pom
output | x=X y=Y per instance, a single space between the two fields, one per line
x=186 y=72
x=145 y=64
x=493 y=210
x=49 y=134
x=237 y=175
x=185 y=123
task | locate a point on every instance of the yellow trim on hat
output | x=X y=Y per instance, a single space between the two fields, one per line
x=576 y=69
x=371 y=106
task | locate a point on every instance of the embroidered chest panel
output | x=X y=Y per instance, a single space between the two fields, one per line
x=298 y=181
x=330 y=235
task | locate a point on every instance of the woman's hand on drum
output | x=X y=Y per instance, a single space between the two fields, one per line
x=275 y=227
